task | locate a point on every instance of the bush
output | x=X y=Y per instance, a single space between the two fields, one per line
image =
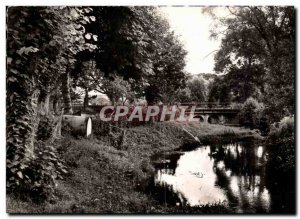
x=251 y=113
x=284 y=128
x=281 y=145
x=236 y=105
x=37 y=175
x=100 y=128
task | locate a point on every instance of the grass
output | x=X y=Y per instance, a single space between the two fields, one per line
x=215 y=134
x=101 y=180
x=105 y=180
x=203 y=129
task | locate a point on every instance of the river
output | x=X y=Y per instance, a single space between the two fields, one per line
x=233 y=175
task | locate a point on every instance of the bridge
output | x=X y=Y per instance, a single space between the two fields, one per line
x=207 y=112
x=214 y=113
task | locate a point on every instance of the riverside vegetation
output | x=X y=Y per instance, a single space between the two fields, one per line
x=102 y=179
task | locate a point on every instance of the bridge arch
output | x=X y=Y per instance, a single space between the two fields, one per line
x=213 y=119
x=201 y=118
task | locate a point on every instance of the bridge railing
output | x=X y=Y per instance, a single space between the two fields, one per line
x=77 y=106
x=208 y=104
x=204 y=105
x=200 y=104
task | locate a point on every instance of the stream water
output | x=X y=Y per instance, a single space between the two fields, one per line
x=233 y=174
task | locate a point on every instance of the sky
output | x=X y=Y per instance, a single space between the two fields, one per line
x=193 y=28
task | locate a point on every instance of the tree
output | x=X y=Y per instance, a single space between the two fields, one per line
x=41 y=42
x=136 y=43
x=238 y=84
x=122 y=40
x=86 y=76
x=72 y=38
x=198 y=89
x=116 y=89
x=219 y=91
x=168 y=64
x=272 y=51
x=250 y=113
x=184 y=95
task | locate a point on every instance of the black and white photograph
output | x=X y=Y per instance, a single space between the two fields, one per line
x=150 y=110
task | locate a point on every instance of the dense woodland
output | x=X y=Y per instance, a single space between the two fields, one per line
x=129 y=54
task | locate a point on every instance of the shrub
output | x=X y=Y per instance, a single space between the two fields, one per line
x=100 y=128
x=38 y=173
x=236 y=105
x=251 y=113
x=284 y=128
x=281 y=145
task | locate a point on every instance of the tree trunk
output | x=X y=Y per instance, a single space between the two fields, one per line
x=86 y=99
x=65 y=88
x=45 y=104
x=55 y=105
x=34 y=121
x=57 y=129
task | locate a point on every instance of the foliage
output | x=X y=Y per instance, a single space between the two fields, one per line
x=184 y=95
x=22 y=52
x=40 y=45
x=135 y=44
x=219 y=92
x=37 y=176
x=45 y=128
x=49 y=49
x=168 y=66
x=122 y=42
x=116 y=88
x=269 y=60
x=238 y=84
x=198 y=89
x=153 y=94
x=85 y=75
x=102 y=179
x=250 y=113
x=235 y=105
x=147 y=51
x=88 y=77
x=281 y=146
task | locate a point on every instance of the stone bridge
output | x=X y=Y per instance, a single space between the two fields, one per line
x=214 y=113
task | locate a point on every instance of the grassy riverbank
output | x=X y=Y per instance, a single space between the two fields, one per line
x=102 y=179
x=216 y=134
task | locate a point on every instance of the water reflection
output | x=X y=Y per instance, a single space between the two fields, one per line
x=233 y=174
x=193 y=178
